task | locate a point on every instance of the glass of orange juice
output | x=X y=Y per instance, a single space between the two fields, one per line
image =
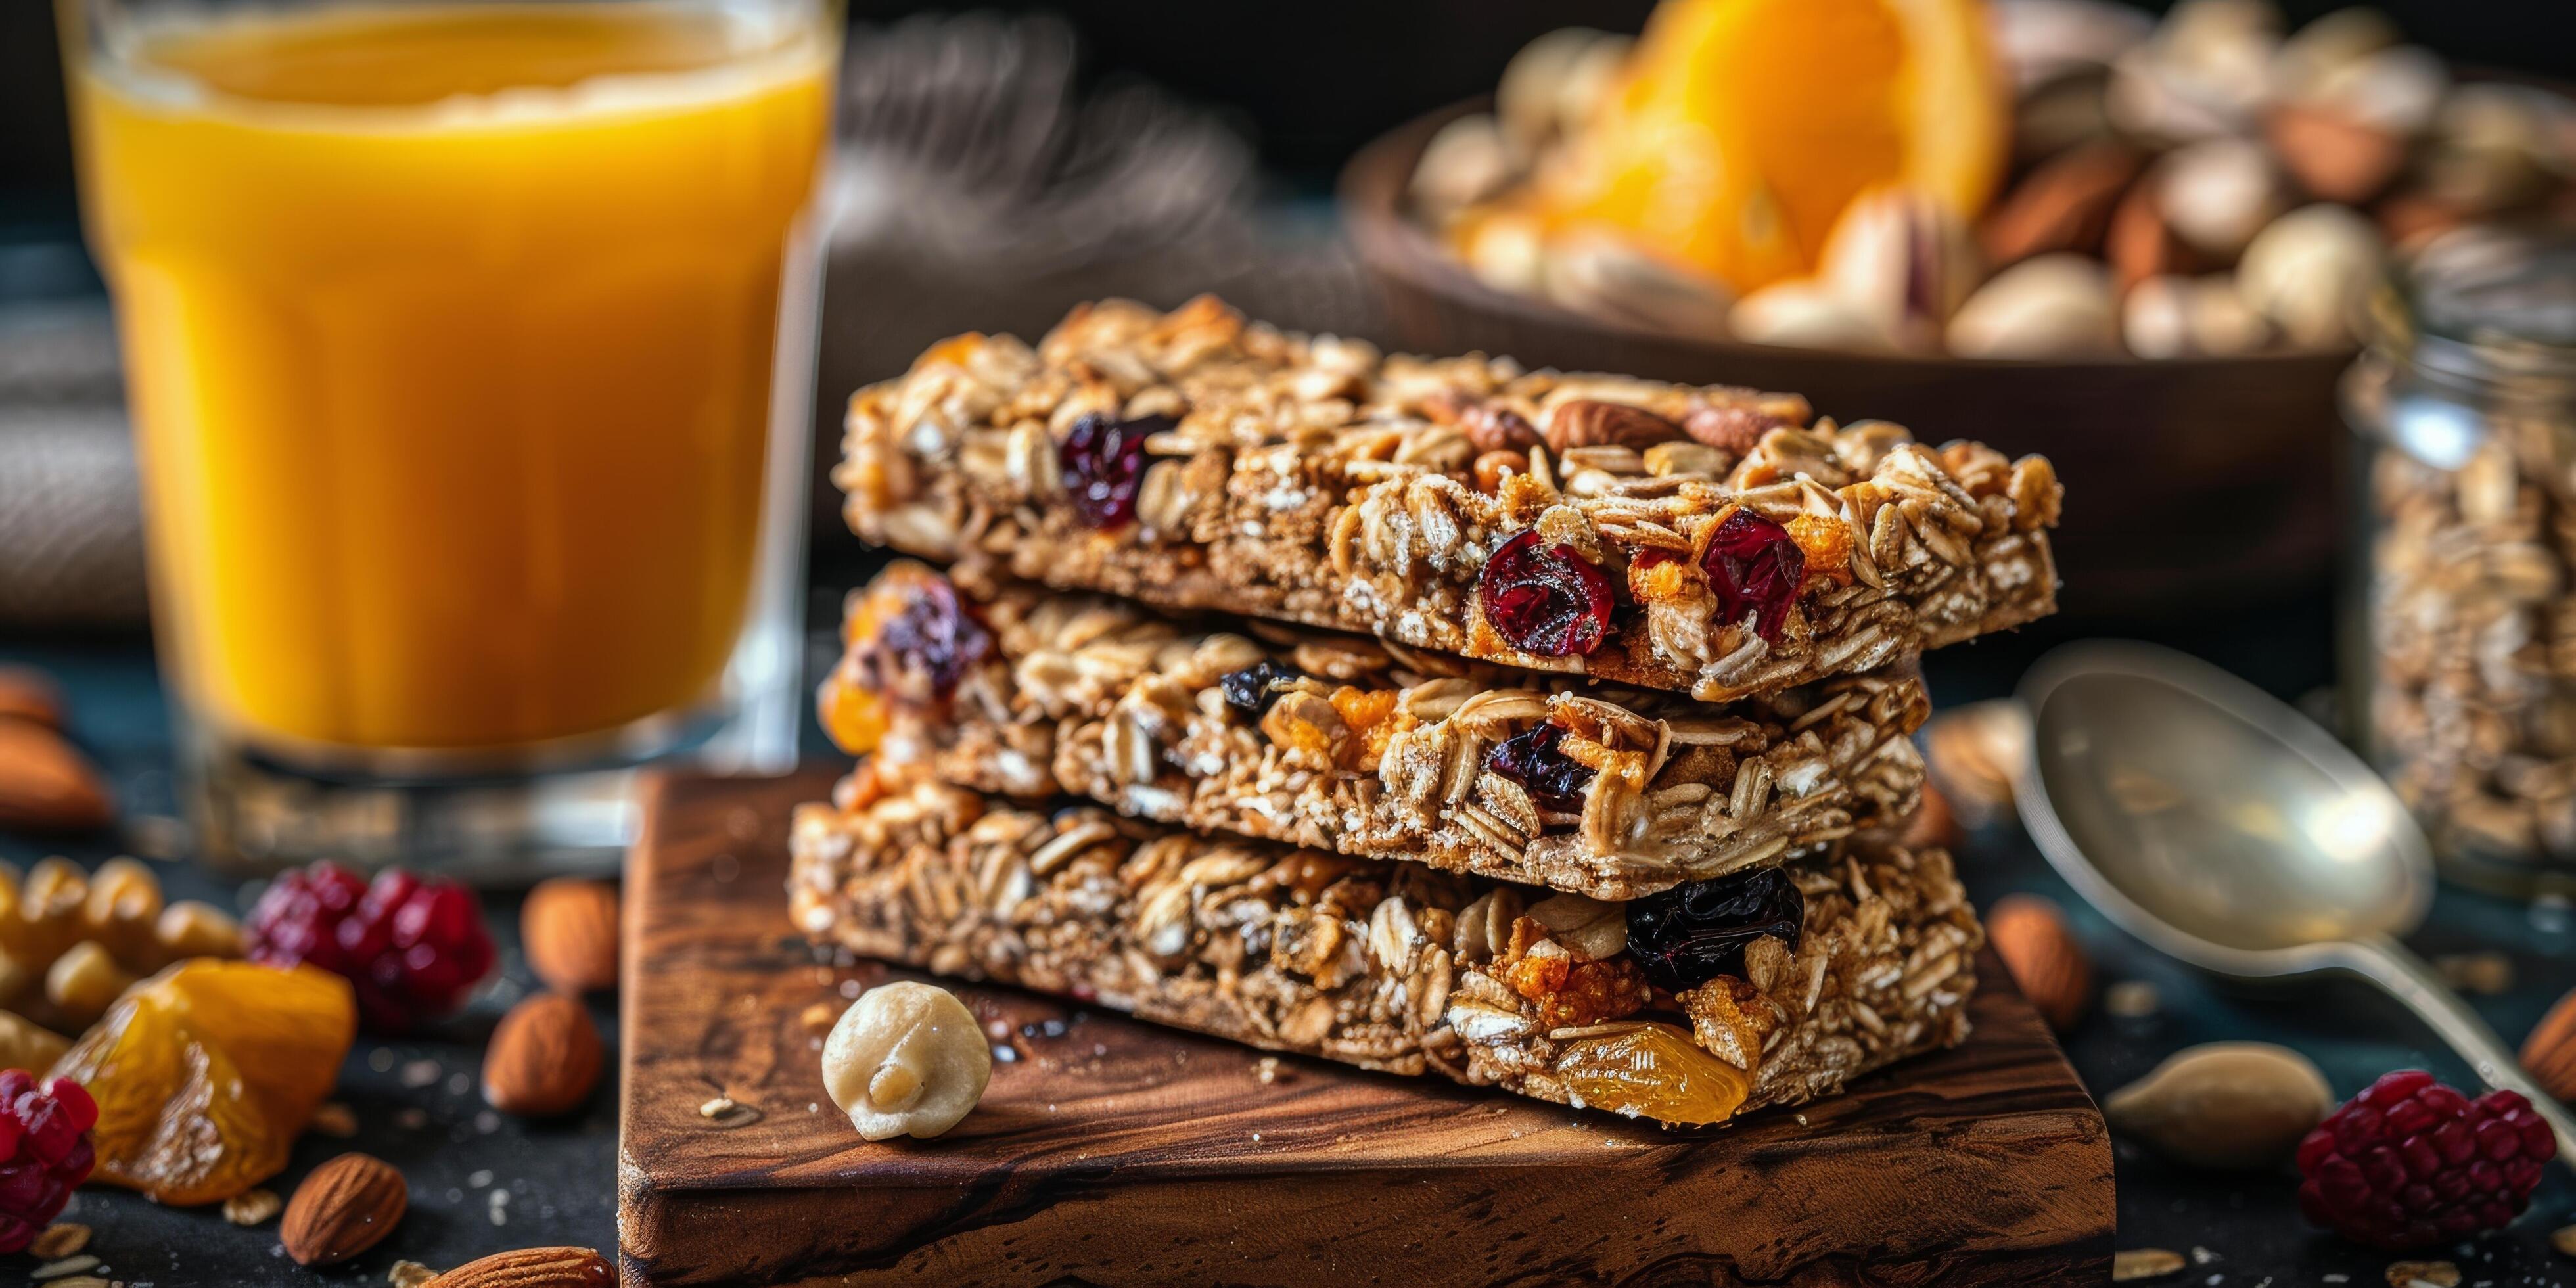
x=469 y=346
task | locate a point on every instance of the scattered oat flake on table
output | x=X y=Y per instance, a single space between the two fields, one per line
x=409 y=1274
x=2131 y=999
x=1267 y=1070
x=2564 y=1239
x=2423 y=1274
x=336 y=1119
x=2144 y=1263
x=65 y=1266
x=59 y=1240
x=250 y=1207
x=718 y=1107
x=2484 y=973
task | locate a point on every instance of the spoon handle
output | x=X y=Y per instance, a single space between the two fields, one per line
x=2389 y=964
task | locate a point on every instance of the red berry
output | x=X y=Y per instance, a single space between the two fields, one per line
x=1546 y=600
x=44 y=1152
x=1102 y=459
x=411 y=948
x=2410 y=1162
x=1754 y=565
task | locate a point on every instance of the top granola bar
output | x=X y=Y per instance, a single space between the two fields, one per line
x=1705 y=539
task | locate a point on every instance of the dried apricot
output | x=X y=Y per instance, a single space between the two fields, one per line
x=205 y=1073
x=1653 y=1071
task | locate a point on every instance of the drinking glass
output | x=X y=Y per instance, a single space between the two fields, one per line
x=469 y=347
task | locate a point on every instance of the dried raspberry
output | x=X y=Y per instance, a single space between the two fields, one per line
x=1695 y=932
x=935 y=637
x=2410 y=1162
x=1545 y=600
x=44 y=1152
x=412 y=948
x=1753 y=563
x=1103 y=463
x=1552 y=778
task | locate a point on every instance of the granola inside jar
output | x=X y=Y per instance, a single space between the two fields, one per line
x=2464 y=647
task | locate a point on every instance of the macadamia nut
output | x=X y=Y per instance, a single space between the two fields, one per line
x=906 y=1059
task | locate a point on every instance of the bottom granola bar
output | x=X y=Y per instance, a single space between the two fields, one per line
x=1759 y=988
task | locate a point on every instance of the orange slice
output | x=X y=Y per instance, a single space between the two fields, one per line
x=1744 y=127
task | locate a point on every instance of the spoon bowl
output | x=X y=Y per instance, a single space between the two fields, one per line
x=2226 y=829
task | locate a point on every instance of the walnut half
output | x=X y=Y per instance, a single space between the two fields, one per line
x=906 y=1058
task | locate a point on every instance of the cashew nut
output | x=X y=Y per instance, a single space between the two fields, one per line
x=906 y=1058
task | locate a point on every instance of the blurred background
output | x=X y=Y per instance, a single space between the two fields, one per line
x=1167 y=149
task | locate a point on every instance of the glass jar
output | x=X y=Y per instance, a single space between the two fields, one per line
x=2464 y=654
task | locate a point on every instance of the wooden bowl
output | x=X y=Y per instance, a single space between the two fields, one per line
x=2188 y=480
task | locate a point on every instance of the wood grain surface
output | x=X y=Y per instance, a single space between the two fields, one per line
x=1113 y=1152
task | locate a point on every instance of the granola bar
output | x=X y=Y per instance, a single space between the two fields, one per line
x=1710 y=540
x=1347 y=743
x=1397 y=966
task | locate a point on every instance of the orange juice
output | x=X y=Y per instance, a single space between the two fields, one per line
x=450 y=333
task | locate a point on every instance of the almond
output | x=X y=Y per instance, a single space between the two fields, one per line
x=344 y=1208
x=2140 y=245
x=2030 y=934
x=2549 y=1054
x=2333 y=156
x=1592 y=422
x=570 y=926
x=29 y=694
x=45 y=783
x=531 y=1268
x=544 y=1059
x=2064 y=204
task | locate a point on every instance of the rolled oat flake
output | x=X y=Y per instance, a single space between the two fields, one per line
x=2460 y=647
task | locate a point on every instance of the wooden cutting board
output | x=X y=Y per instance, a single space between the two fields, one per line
x=1114 y=1152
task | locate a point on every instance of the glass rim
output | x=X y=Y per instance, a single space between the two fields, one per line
x=104 y=38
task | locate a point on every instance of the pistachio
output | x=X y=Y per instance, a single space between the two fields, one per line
x=2166 y=317
x=2224 y=1105
x=1551 y=84
x=2203 y=73
x=2310 y=271
x=1504 y=248
x=2051 y=306
x=1607 y=278
x=906 y=1059
x=1904 y=259
x=1806 y=314
x=1465 y=163
x=2217 y=193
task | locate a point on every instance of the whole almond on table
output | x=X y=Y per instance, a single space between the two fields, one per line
x=570 y=926
x=2549 y=1054
x=345 y=1207
x=531 y=1268
x=544 y=1058
x=29 y=694
x=46 y=785
x=2030 y=934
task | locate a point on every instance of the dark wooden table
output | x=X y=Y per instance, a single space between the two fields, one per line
x=483 y=1182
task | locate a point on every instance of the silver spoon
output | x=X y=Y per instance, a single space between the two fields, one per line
x=2222 y=827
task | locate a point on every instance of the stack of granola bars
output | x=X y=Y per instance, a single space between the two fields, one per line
x=1543 y=731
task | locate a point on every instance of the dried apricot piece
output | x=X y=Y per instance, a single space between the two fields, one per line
x=1652 y=1071
x=205 y=1073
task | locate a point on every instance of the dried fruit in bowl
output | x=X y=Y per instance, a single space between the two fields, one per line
x=204 y=1074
